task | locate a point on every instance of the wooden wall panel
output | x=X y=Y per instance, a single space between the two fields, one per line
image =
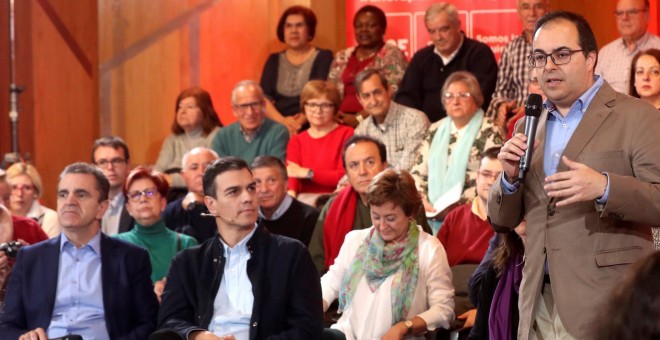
x=65 y=95
x=150 y=50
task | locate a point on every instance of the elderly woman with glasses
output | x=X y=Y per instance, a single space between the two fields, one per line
x=145 y=192
x=451 y=154
x=26 y=188
x=392 y=279
x=314 y=162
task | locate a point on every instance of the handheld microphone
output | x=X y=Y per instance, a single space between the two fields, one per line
x=533 y=109
x=214 y=215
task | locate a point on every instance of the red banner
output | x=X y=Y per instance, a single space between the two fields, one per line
x=493 y=22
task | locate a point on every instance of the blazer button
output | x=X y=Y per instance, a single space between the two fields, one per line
x=254 y=324
x=551 y=210
x=498 y=198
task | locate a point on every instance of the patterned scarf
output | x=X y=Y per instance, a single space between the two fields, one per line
x=377 y=260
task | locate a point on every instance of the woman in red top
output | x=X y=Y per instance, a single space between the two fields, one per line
x=314 y=162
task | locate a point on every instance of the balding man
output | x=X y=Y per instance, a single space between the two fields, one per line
x=253 y=134
x=185 y=214
x=614 y=59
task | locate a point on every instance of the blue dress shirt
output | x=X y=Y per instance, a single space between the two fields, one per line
x=79 y=299
x=232 y=307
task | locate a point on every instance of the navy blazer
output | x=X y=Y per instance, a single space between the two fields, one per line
x=128 y=299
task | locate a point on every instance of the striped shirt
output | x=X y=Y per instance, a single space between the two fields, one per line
x=614 y=60
x=513 y=75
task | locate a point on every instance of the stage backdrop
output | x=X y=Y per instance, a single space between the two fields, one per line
x=493 y=22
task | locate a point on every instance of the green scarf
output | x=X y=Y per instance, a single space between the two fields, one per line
x=377 y=260
x=442 y=175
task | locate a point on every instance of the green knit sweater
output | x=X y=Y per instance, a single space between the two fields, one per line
x=160 y=242
x=271 y=139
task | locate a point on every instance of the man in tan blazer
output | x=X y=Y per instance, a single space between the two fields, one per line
x=592 y=191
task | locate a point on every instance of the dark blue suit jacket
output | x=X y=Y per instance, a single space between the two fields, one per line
x=128 y=299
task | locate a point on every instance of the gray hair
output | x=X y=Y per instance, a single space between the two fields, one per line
x=246 y=83
x=470 y=81
x=440 y=7
x=198 y=149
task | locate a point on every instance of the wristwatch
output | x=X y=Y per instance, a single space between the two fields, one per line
x=409 y=325
x=310 y=173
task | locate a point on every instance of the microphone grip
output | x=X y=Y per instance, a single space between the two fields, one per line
x=531 y=123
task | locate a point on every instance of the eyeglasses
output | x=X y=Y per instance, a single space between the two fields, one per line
x=322 y=106
x=560 y=57
x=135 y=196
x=105 y=163
x=255 y=106
x=22 y=187
x=448 y=96
x=629 y=12
x=489 y=175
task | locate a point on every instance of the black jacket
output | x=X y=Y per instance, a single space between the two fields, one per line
x=285 y=285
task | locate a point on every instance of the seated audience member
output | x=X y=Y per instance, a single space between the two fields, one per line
x=245 y=284
x=280 y=213
x=112 y=156
x=466 y=231
x=25 y=230
x=26 y=188
x=118 y=299
x=392 y=279
x=634 y=309
x=286 y=72
x=400 y=128
x=145 y=192
x=453 y=150
x=314 y=156
x=253 y=134
x=451 y=51
x=372 y=52
x=645 y=76
x=514 y=72
x=465 y=234
x=632 y=21
x=13 y=228
x=184 y=214
x=494 y=286
x=195 y=124
x=363 y=157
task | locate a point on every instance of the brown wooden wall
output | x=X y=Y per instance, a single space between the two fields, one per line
x=94 y=68
x=57 y=62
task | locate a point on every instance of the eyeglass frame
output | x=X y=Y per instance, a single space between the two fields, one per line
x=448 y=96
x=630 y=12
x=323 y=106
x=136 y=195
x=105 y=163
x=530 y=57
x=255 y=106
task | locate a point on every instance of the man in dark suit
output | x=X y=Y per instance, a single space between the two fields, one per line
x=112 y=156
x=592 y=191
x=245 y=283
x=81 y=282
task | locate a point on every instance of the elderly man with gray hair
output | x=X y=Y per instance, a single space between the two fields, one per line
x=451 y=51
x=253 y=134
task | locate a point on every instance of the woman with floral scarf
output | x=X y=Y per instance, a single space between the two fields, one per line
x=393 y=279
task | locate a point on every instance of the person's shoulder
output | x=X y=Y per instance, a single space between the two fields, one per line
x=611 y=45
x=357 y=234
x=119 y=244
x=271 y=125
x=423 y=53
x=324 y=53
x=471 y=46
x=411 y=113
